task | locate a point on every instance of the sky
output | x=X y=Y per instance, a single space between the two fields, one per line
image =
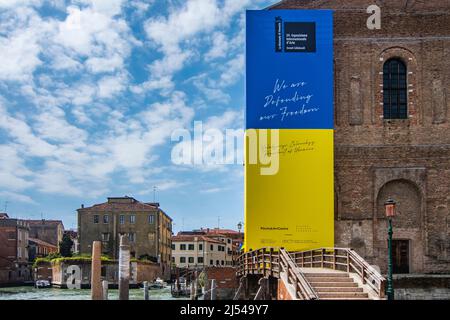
x=91 y=92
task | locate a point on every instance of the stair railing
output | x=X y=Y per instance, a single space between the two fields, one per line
x=343 y=259
x=295 y=276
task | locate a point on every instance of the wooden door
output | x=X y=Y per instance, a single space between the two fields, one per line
x=400 y=256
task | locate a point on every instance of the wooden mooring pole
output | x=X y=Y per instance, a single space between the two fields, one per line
x=213 y=290
x=96 y=271
x=146 y=295
x=105 y=286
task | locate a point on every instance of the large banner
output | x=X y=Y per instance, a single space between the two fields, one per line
x=289 y=167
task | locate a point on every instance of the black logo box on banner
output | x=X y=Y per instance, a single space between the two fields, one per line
x=298 y=36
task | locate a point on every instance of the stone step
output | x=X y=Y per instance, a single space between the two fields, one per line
x=345 y=299
x=333 y=284
x=329 y=279
x=327 y=275
x=338 y=289
x=342 y=295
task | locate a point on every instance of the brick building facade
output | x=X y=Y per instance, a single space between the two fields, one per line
x=14 y=265
x=50 y=231
x=378 y=155
x=147 y=226
x=39 y=249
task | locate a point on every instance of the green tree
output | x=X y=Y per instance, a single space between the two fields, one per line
x=65 y=246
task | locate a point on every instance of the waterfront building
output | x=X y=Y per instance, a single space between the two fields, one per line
x=237 y=239
x=39 y=249
x=392 y=115
x=232 y=238
x=50 y=231
x=199 y=251
x=146 y=225
x=14 y=265
x=203 y=248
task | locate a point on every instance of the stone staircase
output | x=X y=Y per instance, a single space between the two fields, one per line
x=335 y=285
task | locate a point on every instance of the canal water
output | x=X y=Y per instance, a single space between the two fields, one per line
x=31 y=293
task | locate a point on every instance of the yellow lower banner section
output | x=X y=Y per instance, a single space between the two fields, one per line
x=289 y=189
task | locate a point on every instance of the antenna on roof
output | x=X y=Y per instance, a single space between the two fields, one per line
x=154 y=193
x=6 y=206
x=218 y=222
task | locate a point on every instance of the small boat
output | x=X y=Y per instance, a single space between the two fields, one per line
x=41 y=284
x=180 y=288
x=158 y=284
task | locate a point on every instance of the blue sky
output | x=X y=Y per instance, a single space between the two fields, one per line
x=91 y=90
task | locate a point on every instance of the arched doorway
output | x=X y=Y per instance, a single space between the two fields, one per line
x=407 y=224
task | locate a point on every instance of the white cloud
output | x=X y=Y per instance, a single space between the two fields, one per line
x=233 y=70
x=22 y=30
x=230 y=119
x=14 y=3
x=107 y=7
x=22 y=133
x=183 y=24
x=141 y=6
x=220 y=46
x=74 y=123
x=88 y=32
x=111 y=85
x=19 y=55
x=163 y=83
x=52 y=125
x=14 y=175
x=16 y=197
x=105 y=64
x=195 y=16
x=212 y=190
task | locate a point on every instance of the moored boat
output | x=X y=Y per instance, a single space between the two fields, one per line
x=41 y=284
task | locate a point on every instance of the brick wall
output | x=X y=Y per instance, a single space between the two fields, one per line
x=283 y=293
x=406 y=159
x=43 y=271
x=148 y=272
x=8 y=246
x=226 y=281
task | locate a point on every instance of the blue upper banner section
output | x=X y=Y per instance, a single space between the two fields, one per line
x=289 y=69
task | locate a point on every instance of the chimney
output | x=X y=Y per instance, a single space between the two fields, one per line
x=82 y=206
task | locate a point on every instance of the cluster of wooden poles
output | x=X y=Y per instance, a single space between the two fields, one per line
x=99 y=289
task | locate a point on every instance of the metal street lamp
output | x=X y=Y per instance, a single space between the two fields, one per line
x=239 y=225
x=389 y=206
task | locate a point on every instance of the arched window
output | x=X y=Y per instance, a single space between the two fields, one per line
x=395 y=89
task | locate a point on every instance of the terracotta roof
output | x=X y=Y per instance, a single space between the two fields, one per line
x=124 y=204
x=134 y=206
x=43 y=221
x=220 y=231
x=42 y=243
x=192 y=238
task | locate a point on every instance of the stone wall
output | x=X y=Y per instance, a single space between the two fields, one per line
x=139 y=272
x=422 y=287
